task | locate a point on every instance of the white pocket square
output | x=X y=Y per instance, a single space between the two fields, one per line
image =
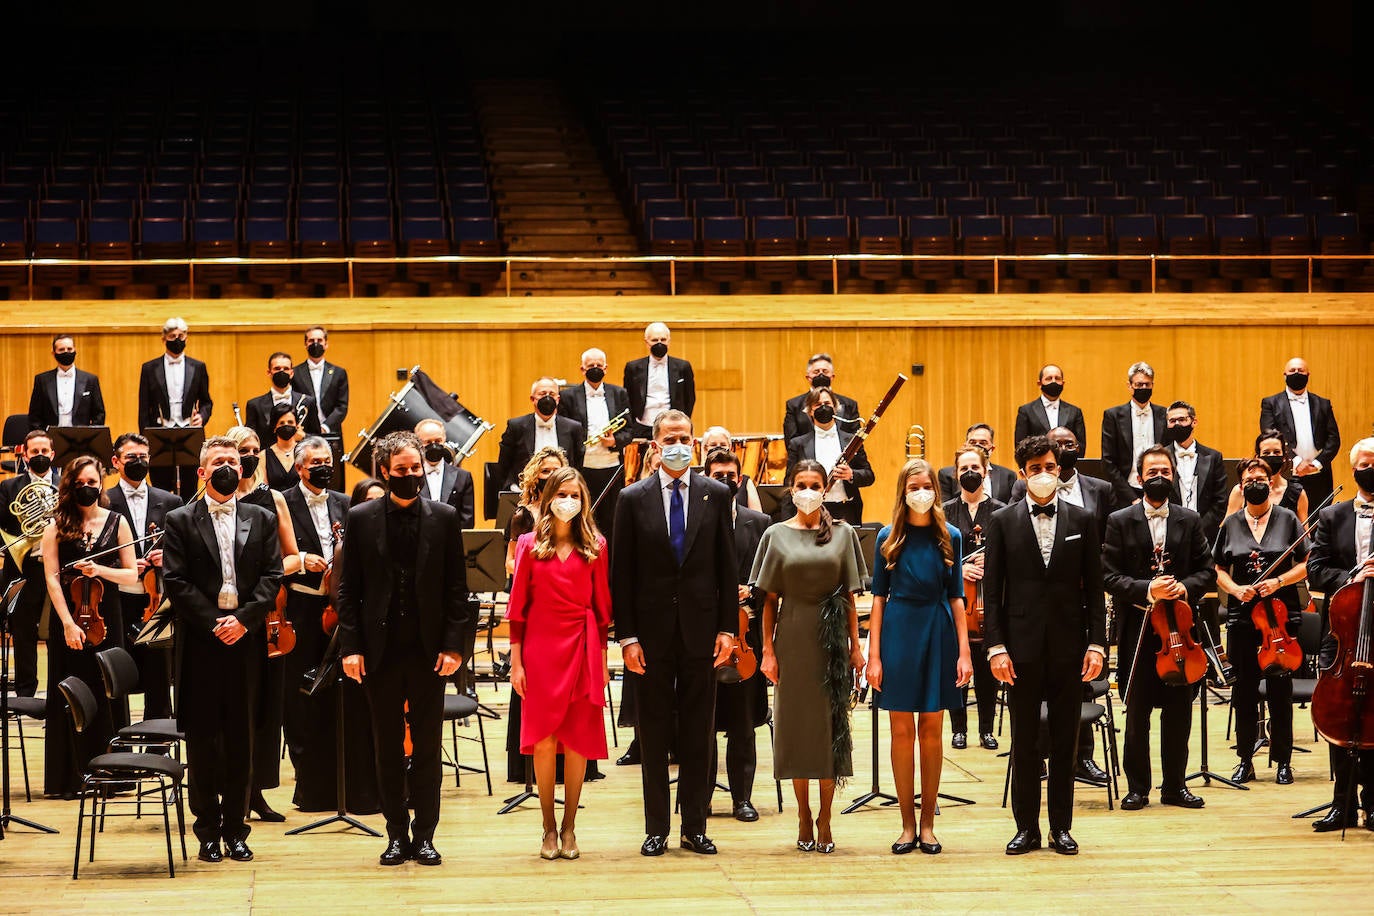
x=1072 y=537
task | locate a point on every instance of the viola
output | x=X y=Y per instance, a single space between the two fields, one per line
x=281 y=633
x=973 y=591
x=329 y=618
x=1180 y=659
x=1341 y=707
x=1279 y=653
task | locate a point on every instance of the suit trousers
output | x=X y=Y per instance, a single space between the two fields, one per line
x=1175 y=725
x=741 y=754
x=985 y=686
x=1242 y=647
x=407 y=677
x=154 y=665
x=1360 y=770
x=1056 y=682
x=219 y=754
x=23 y=627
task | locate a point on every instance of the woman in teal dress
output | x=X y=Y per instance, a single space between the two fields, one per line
x=918 y=654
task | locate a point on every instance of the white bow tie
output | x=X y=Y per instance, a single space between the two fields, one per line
x=1362 y=506
x=540 y=424
x=1161 y=512
x=317 y=499
x=598 y=393
x=222 y=509
x=1298 y=399
x=1065 y=485
x=135 y=494
x=831 y=433
x=1187 y=452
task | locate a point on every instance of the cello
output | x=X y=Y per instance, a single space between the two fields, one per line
x=1180 y=660
x=973 y=590
x=1341 y=710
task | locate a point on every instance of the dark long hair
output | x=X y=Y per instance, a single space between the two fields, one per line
x=69 y=518
x=825 y=531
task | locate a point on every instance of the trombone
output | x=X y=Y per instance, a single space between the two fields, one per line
x=916 y=441
x=615 y=425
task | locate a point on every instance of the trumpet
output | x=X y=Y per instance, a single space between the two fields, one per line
x=616 y=424
x=33 y=507
x=916 y=441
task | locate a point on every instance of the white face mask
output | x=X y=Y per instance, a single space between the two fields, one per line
x=1042 y=485
x=807 y=501
x=565 y=508
x=920 y=500
x=677 y=457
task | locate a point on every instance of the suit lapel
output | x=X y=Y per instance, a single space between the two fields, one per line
x=422 y=551
x=50 y=384
x=700 y=501
x=201 y=514
x=1045 y=414
x=1286 y=411
x=303 y=522
x=1060 y=527
x=245 y=527
x=1026 y=526
x=449 y=481
x=188 y=401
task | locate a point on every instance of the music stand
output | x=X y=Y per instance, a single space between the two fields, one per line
x=888 y=800
x=771 y=496
x=174 y=447
x=7 y=604
x=1205 y=607
x=70 y=442
x=484 y=552
x=506 y=501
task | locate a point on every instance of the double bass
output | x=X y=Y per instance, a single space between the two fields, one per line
x=1180 y=660
x=1341 y=707
x=973 y=590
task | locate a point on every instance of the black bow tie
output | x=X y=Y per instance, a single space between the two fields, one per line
x=1047 y=509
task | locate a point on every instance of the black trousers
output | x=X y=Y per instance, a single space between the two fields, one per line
x=407 y=677
x=986 y=687
x=154 y=665
x=1361 y=770
x=735 y=716
x=23 y=627
x=673 y=681
x=1057 y=682
x=1242 y=647
x=219 y=752
x=1175 y=725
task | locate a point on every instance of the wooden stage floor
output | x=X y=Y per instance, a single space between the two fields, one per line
x=1242 y=853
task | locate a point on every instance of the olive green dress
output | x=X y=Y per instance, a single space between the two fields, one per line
x=790 y=563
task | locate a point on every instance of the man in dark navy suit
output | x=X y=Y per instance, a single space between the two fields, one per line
x=65 y=395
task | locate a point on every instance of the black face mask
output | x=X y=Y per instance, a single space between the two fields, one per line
x=225 y=479
x=405 y=486
x=1256 y=492
x=820 y=381
x=315 y=350
x=86 y=495
x=40 y=464
x=732 y=483
x=285 y=433
x=136 y=469
x=320 y=476
x=281 y=378
x=66 y=359
x=1364 y=479
x=823 y=413
x=1275 y=463
x=970 y=480
x=1173 y=435
x=1296 y=381
x=546 y=405
x=659 y=350
x=1052 y=389
x=176 y=347
x=595 y=374
x=435 y=452
x=249 y=464
x=1068 y=459
x=1159 y=488
x=1142 y=395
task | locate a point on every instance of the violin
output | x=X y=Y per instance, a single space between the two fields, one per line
x=1180 y=660
x=1279 y=653
x=1341 y=710
x=281 y=633
x=152 y=580
x=743 y=657
x=329 y=618
x=85 y=594
x=973 y=591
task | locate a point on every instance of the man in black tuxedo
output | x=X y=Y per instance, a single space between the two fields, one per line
x=445 y=481
x=1127 y=430
x=1308 y=422
x=259 y=416
x=657 y=382
x=174 y=391
x=1341 y=554
x=221 y=566
x=999 y=481
x=674 y=588
x=1136 y=576
x=1199 y=472
x=1045 y=631
x=820 y=373
x=403 y=622
x=526 y=434
x=328 y=385
x=65 y=395
x=23 y=625
x=741 y=707
x=826 y=443
x=145 y=507
x=594 y=404
x=1049 y=410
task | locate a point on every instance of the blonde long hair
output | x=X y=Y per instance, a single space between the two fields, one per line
x=240 y=435
x=529 y=475
x=584 y=533
x=892 y=547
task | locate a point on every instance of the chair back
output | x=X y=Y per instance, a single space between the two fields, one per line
x=80 y=701
x=119 y=672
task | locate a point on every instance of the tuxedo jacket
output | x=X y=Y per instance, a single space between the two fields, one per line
x=333 y=396
x=750 y=525
x=1043 y=613
x=152 y=393
x=517 y=445
x=1332 y=559
x=456 y=490
x=160 y=502
x=998 y=485
x=682 y=385
x=1118 y=447
x=1277 y=413
x=88 y=406
x=1097 y=499
x=1032 y=420
x=572 y=404
x=366 y=583
x=796 y=422
x=804 y=446
x=259 y=416
x=9 y=489
x=1212 y=491
x=666 y=606
x=307 y=538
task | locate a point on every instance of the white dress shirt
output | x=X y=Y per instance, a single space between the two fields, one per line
x=1364 y=524
x=317 y=380
x=1051 y=410
x=434 y=479
x=1185 y=460
x=137 y=498
x=66 y=395
x=175 y=371
x=281 y=397
x=545 y=432
x=1142 y=436
x=1071 y=491
x=828 y=453
x=598 y=415
x=1158 y=522
x=223 y=518
x=1306 y=447
x=665 y=487
x=657 y=396
x=318 y=504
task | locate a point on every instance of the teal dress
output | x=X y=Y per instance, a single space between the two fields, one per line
x=919 y=647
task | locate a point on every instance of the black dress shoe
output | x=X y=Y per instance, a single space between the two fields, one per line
x=238 y=851
x=744 y=811
x=930 y=849
x=397 y=853
x=901 y=849
x=959 y=741
x=1089 y=771
x=209 y=852
x=628 y=759
x=1062 y=843
x=1336 y=819
x=1244 y=772
x=1180 y=799
x=1025 y=841
x=1284 y=777
x=988 y=741
x=426 y=854
x=654 y=846
x=259 y=806
x=1134 y=801
x=699 y=843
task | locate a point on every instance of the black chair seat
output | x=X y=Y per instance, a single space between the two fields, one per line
x=459 y=706
x=136 y=766
x=1302 y=689
x=32 y=707
x=155 y=730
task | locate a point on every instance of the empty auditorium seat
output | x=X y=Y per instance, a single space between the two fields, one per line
x=1135 y=234
x=321 y=238
x=1339 y=234
x=1034 y=235
x=1084 y=234
x=981 y=235
x=1289 y=234
x=1238 y=234
x=215 y=238
x=1187 y=234
x=825 y=235
x=723 y=236
x=879 y=235
x=775 y=235
x=110 y=240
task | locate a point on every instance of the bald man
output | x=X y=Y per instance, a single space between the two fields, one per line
x=530 y=432
x=594 y=404
x=1309 y=426
x=658 y=382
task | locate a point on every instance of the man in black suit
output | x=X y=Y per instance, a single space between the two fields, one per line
x=1200 y=474
x=1341 y=554
x=1309 y=424
x=594 y=404
x=23 y=625
x=1045 y=631
x=145 y=507
x=328 y=385
x=1127 y=430
x=445 y=481
x=528 y=433
x=820 y=373
x=403 y=622
x=999 y=481
x=657 y=382
x=221 y=566
x=1136 y=576
x=826 y=443
x=741 y=707
x=259 y=416
x=674 y=588
x=173 y=391
x=1049 y=410
x=65 y=395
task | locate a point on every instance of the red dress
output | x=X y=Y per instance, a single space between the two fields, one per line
x=559 y=613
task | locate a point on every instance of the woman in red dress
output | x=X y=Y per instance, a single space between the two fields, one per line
x=560 y=611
